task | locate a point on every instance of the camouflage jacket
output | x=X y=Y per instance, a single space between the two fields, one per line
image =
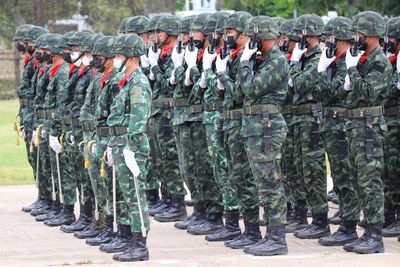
x=180 y=92
x=393 y=99
x=80 y=91
x=87 y=112
x=24 y=90
x=40 y=87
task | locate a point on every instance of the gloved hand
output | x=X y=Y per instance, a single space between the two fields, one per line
x=144 y=61
x=130 y=161
x=43 y=133
x=220 y=85
x=188 y=80
x=398 y=63
x=208 y=59
x=93 y=149
x=347 y=84
x=203 y=82
x=297 y=53
x=177 y=58
x=324 y=61
x=109 y=155
x=350 y=60
x=172 y=79
x=153 y=57
x=290 y=82
x=190 y=57
x=247 y=52
x=55 y=144
x=221 y=64
x=34 y=138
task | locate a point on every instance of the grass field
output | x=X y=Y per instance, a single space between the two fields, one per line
x=14 y=166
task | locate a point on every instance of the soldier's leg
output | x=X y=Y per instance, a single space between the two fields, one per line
x=152 y=179
x=289 y=171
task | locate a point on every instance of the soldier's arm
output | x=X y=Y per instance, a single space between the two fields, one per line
x=62 y=80
x=305 y=79
x=162 y=77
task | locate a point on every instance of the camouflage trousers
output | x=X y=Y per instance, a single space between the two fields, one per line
x=309 y=157
x=391 y=173
x=125 y=180
x=368 y=171
x=266 y=169
x=61 y=179
x=290 y=179
x=240 y=191
x=152 y=179
x=344 y=183
x=27 y=121
x=167 y=156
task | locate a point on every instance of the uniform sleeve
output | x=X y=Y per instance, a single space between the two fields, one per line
x=163 y=77
x=140 y=111
x=335 y=88
x=62 y=80
x=305 y=79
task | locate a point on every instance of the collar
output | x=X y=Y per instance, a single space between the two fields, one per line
x=315 y=50
x=71 y=69
x=234 y=53
x=26 y=59
x=200 y=55
x=341 y=56
x=366 y=57
x=392 y=59
x=82 y=69
x=165 y=51
x=104 y=78
x=54 y=70
x=288 y=57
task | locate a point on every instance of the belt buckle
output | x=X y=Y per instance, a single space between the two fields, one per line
x=335 y=112
x=361 y=112
x=250 y=110
x=191 y=109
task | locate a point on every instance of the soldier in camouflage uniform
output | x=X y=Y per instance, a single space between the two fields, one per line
x=332 y=69
x=307 y=110
x=368 y=80
x=264 y=86
x=161 y=117
x=391 y=172
x=130 y=147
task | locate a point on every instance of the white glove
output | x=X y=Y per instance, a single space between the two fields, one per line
x=43 y=133
x=144 y=61
x=93 y=149
x=398 y=63
x=297 y=53
x=34 y=138
x=153 y=57
x=55 y=144
x=221 y=64
x=290 y=82
x=191 y=57
x=350 y=60
x=324 y=61
x=131 y=163
x=398 y=85
x=177 y=58
x=151 y=75
x=109 y=155
x=220 y=85
x=188 y=81
x=23 y=133
x=208 y=59
x=247 y=52
x=347 y=83
x=203 y=82
x=172 y=79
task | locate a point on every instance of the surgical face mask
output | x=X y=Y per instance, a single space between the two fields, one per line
x=87 y=59
x=75 y=55
x=21 y=48
x=198 y=43
x=231 y=42
x=46 y=57
x=30 y=49
x=67 y=57
x=119 y=64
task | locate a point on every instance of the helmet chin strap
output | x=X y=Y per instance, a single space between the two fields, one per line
x=123 y=64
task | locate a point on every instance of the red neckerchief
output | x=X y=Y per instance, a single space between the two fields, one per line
x=93 y=74
x=200 y=55
x=363 y=58
x=35 y=63
x=165 y=51
x=71 y=69
x=288 y=57
x=259 y=58
x=234 y=53
x=54 y=70
x=26 y=59
x=339 y=56
x=122 y=81
x=41 y=69
x=392 y=59
x=104 y=78
x=82 y=68
x=218 y=50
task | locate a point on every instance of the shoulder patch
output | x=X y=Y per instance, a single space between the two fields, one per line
x=378 y=67
x=135 y=95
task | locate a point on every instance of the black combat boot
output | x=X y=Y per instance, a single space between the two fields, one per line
x=42 y=208
x=66 y=216
x=161 y=206
x=136 y=251
x=318 y=228
x=54 y=211
x=38 y=202
x=335 y=219
x=121 y=241
x=290 y=212
x=176 y=212
x=91 y=230
x=300 y=219
x=249 y=237
x=105 y=236
x=274 y=243
x=212 y=224
x=390 y=215
x=392 y=230
x=331 y=195
x=346 y=233
x=152 y=198
x=85 y=218
x=196 y=218
x=229 y=231
x=372 y=241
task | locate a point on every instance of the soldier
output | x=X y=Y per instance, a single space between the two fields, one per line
x=309 y=152
x=161 y=65
x=391 y=149
x=130 y=147
x=332 y=70
x=367 y=82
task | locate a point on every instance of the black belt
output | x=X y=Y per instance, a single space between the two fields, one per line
x=66 y=120
x=261 y=109
x=393 y=111
x=306 y=109
x=26 y=102
x=49 y=113
x=88 y=126
x=41 y=114
x=181 y=102
x=196 y=108
x=213 y=106
x=163 y=103
x=111 y=131
x=235 y=114
x=334 y=112
x=360 y=113
x=103 y=131
x=286 y=109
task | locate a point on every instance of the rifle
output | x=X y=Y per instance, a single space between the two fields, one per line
x=354 y=49
x=155 y=44
x=330 y=51
x=303 y=41
x=179 y=46
x=224 y=51
x=214 y=42
x=191 y=42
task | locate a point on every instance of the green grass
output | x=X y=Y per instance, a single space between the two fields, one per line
x=14 y=166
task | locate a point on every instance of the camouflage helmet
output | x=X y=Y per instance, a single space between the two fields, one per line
x=122 y=26
x=369 y=23
x=77 y=38
x=185 y=23
x=199 y=21
x=34 y=33
x=310 y=23
x=137 y=24
x=213 y=20
x=129 y=46
x=104 y=46
x=278 y=21
x=54 y=42
x=21 y=32
x=169 y=24
x=152 y=26
x=287 y=29
x=238 y=21
x=393 y=28
x=341 y=28
x=266 y=26
x=88 y=43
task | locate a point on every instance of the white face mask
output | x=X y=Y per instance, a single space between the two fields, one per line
x=74 y=55
x=118 y=63
x=87 y=60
